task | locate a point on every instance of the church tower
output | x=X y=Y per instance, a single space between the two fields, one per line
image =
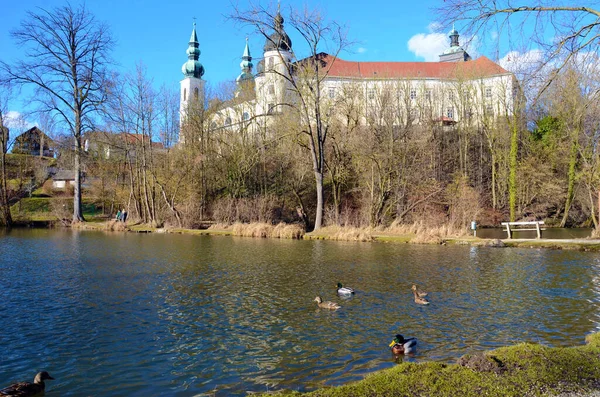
x=455 y=53
x=274 y=70
x=245 y=81
x=192 y=85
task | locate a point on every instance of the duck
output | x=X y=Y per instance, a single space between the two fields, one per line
x=341 y=290
x=27 y=389
x=418 y=299
x=327 y=304
x=399 y=345
x=421 y=294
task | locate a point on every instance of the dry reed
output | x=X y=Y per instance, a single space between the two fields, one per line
x=264 y=230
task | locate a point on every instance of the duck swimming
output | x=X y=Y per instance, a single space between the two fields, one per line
x=421 y=294
x=400 y=345
x=327 y=304
x=27 y=389
x=418 y=299
x=341 y=290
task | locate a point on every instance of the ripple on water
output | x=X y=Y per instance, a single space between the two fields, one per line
x=187 y=315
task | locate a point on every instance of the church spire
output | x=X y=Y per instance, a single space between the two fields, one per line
x=193 y=67
x=246 y=65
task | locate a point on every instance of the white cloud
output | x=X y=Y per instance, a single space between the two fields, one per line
x=17 y=121
x=430 y=46
x=518 y=62
x=361 y=50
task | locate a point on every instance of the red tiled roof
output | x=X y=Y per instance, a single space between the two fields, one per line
x=481 y=67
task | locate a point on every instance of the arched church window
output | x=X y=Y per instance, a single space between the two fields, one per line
x=228 y=121
x=185 y=94
x=196 y=93
x=245 y=116
x=271 y=63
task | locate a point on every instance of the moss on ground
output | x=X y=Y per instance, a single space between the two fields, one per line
x=521 y=370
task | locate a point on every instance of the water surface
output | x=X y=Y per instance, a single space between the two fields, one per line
x=117 y=314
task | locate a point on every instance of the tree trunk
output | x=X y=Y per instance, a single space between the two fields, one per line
x=77 y=203
x=571 y=181
x=512 y=178
x=5 y=216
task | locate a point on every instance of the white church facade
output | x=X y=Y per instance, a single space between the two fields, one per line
x=457 y=90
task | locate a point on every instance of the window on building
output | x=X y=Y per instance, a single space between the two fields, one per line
x=414 y=113
x=450 y=113
x=271 y=89
x=331 y=92
x=271 y=63
x=371 y=94
x=450 y=95
x=413 y=94
x=245 y=116
x=228 y=121
x=489 y=109
x=185 y=94
x=428 y=95
x=271 y=109
x=488 y=92
x=468 y=113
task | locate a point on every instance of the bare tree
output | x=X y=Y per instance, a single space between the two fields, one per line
x=561 y=29
x=304 y=79
x=5 y=216
x=66 y=55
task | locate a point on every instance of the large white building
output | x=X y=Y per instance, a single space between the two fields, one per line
x=455 y=90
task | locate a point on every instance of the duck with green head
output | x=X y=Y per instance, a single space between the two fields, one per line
x=341 y=290
x=399 y=345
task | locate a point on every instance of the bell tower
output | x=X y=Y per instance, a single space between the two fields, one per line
x=192 y=85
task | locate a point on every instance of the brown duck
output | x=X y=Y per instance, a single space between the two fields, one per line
x=27 y=389
x=419 y=300
x=327 y=304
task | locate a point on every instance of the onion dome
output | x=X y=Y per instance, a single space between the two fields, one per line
x=246 y=65
x=278 y=40
x=193 y=67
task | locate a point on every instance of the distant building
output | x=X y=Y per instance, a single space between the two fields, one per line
x=109 y=145
x=454 y=90
x=35 y=143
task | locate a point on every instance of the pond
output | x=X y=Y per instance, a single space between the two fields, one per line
x=116 y=314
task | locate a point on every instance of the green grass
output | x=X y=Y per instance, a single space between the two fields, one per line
x=39 y=208
x=521 y=370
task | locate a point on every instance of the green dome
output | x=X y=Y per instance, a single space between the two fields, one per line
x=192 y=68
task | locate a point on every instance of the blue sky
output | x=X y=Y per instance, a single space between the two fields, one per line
x=156 y=33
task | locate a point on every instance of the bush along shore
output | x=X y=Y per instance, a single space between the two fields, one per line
x=521 y=370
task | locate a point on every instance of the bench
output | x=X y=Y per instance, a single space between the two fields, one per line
x=523 y=226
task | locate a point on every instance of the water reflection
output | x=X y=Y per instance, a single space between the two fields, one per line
x=223 y=316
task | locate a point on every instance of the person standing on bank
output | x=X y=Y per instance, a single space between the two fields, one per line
x=124 y=215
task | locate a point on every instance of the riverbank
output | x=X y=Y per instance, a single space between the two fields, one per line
x=521 y=370
x=407 y=235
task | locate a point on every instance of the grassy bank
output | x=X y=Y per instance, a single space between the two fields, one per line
x=521 y=370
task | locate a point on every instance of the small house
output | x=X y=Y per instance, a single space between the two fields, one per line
x=35 y=143
x=62 y=178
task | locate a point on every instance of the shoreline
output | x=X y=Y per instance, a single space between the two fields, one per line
x=338 y=234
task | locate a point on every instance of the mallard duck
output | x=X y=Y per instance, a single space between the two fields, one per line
x=327 y=304
x=400 y=345
x=27 y=389
x=418 y=299
x=341 y=290
x=421 y=294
